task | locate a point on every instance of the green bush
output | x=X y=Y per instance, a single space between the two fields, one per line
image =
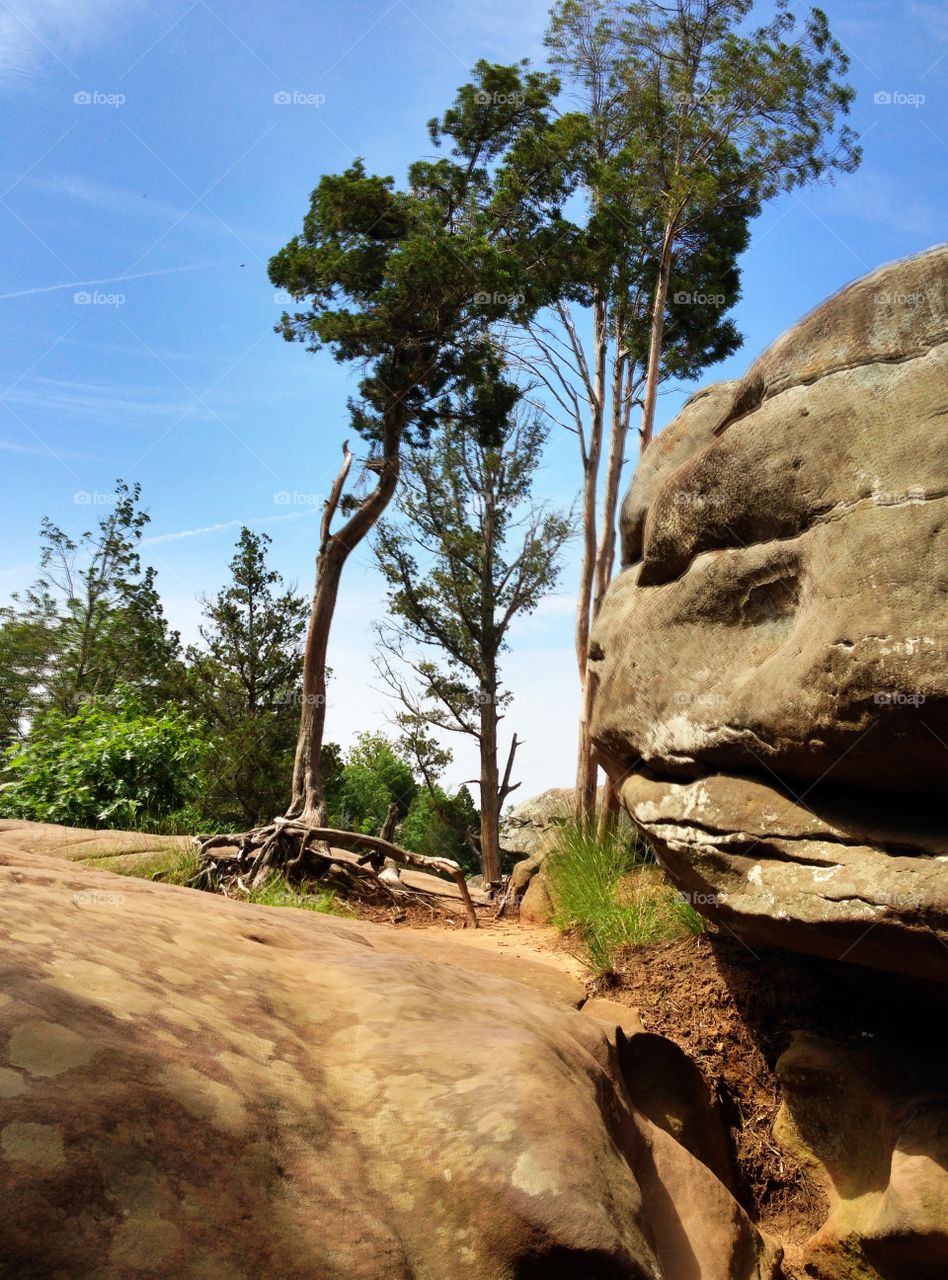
x=610 y=890
x=110 y=765
x=437 y=825
x=373 y=777
x=174 y=866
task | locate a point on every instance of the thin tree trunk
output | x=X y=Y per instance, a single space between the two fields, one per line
x=586 y=769
x=308 y=797
x=653 y=369
x=308 y=803
x=608 y=810
x=605 y=556
x=490 y=794
x=621 y=413
x=587 y=773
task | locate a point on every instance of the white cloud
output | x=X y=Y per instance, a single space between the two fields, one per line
x=85 y=284
x=43 y=451
x=933 y=15
x=135 y=204
x=510 y=30
x=108 y=402
x=886 y=200
x=254 y=522
x=18 y=569
x=39 y=36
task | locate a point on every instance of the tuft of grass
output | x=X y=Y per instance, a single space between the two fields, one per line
x=277 y=893
x=172 y=866
x=179 y=866
x=610 y=890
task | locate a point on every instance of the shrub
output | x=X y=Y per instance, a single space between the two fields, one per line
x=373 y=777
x=173 y=866
x=277 y=893
x=610 y=890
x=437 y=825
x=111 y=764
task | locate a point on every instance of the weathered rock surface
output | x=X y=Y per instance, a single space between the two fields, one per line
x=191 y=1087
x=530 y=827
x=773 y=696
x=871 y=1124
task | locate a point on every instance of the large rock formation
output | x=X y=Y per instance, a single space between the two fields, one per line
x=870 y=1121
x=191 y=1087
x=773 y=690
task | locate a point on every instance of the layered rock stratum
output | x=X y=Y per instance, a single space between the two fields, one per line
x=772 y=679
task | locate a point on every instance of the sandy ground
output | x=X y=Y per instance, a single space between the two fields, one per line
x=523 y=942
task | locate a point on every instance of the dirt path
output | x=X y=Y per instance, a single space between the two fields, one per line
x=522 y=942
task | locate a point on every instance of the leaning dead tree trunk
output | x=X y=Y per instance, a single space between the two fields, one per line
x=308 y=801
x=282 y=843
x=586 y=767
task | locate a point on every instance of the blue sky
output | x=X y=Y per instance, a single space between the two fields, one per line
x=149 y=169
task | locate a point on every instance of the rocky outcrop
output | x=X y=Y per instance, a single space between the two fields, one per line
x=530 y=829
x=870 y=1122
x=773 y=690
x=195 y=1087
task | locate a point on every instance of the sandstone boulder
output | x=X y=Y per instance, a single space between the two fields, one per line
x=773 y=689
x=870 y=1122
x=530 y=827
x=536 y=905
x=192 y=1087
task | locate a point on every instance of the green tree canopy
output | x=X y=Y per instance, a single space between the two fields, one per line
x=100 y=613
x=244 y=684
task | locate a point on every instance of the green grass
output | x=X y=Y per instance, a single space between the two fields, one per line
x=277 y=893
x=179 y=866
x=610 y=890
x=173 y=866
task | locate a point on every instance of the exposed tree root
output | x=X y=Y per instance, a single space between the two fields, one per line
x=291 y=848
